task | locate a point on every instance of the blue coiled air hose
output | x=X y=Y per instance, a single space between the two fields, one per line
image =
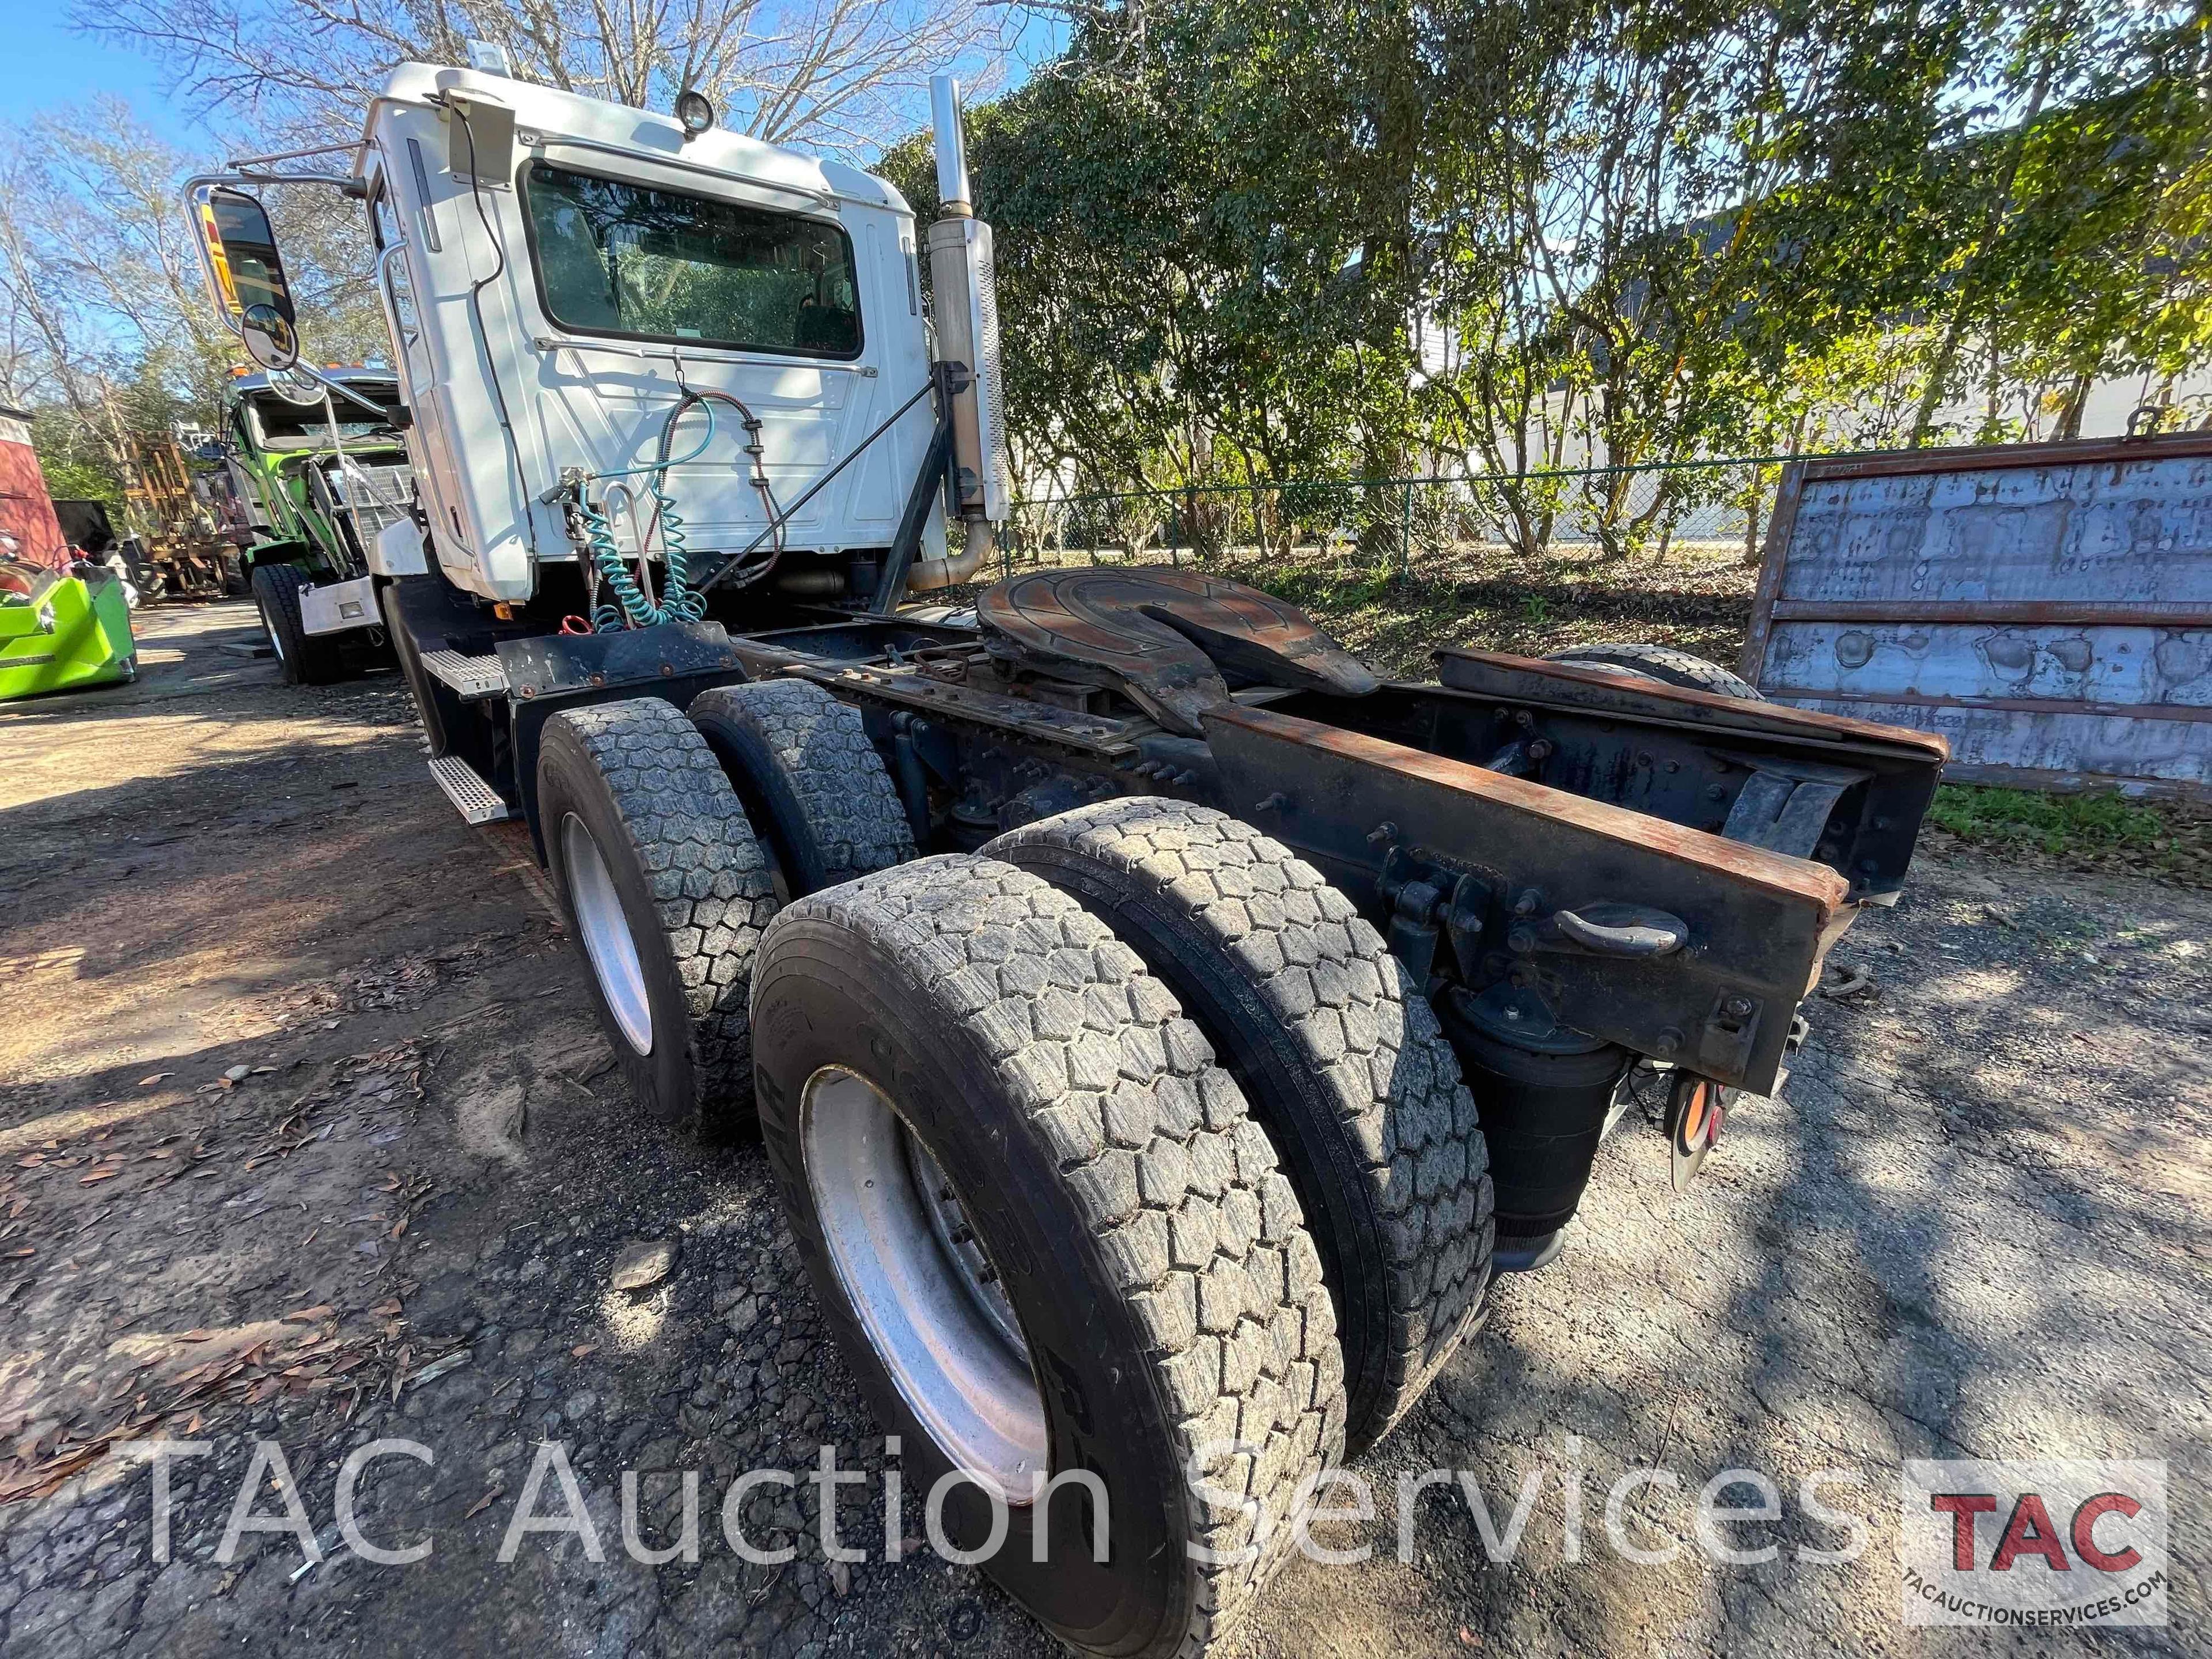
x=678 y=601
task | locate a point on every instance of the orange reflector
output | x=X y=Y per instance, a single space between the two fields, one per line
x=1694 y=1114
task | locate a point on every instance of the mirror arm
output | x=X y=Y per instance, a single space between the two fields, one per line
x=357 y=145
x=329 y=385
x=346 y=182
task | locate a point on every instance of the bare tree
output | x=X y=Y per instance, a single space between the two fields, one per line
x=839 y=74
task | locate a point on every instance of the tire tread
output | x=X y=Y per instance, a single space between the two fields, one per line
x=820 y=748
x=708 y=876
x=1662 y=663
x=1194 y=1221
x=1361 y=1029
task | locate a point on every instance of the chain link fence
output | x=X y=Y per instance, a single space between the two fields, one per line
x=1703 y=510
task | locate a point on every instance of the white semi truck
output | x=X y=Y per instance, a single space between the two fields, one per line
x=1162 y=1029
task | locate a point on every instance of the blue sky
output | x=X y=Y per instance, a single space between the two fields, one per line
x=51 y=64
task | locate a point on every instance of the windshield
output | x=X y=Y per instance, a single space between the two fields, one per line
x=279 y=424
x=622 y=257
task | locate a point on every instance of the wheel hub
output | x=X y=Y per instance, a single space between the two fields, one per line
x=925 y=1290
x=606 y=933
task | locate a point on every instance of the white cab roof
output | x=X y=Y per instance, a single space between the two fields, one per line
x=648 y=136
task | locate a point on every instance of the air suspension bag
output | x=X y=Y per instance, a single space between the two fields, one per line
x=1543 y=1093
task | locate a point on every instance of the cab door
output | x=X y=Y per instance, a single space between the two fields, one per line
x=430 y=451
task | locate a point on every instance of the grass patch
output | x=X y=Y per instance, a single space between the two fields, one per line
x=2096 y=831
x=1491 y=598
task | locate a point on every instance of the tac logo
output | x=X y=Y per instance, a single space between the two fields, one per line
x=2043 y=1544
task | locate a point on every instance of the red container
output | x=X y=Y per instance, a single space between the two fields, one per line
x=27 y=512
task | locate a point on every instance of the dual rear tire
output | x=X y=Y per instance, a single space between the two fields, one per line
x=1338 y=1052
x=669 y=884
x=957 y=1034
x=1124 y=1157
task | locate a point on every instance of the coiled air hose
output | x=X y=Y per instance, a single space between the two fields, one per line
x=632 y=607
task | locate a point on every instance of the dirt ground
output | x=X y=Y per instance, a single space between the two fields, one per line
x=1978 y=1227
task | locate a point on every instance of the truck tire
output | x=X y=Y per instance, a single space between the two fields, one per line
x=810 y=780
x=305 y=658
x=668 y=891
x=1662 y=663
x=1337 y=1051
x=1119 y=1285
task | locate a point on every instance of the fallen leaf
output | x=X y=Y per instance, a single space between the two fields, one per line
x=386 y=1308
x=484 y=1503
x=98 y=1174
x=437 y=1368
x=582 y=1349
x=308 y=1315
x=148 y=1082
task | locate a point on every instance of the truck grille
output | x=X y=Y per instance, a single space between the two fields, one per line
x=381 y=495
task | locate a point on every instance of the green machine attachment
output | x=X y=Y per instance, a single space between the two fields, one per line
x=58 y=631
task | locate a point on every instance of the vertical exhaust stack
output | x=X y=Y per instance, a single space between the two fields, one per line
x=965 y=306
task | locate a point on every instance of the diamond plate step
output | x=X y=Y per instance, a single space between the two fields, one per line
x=472 y=677
x=475 y=800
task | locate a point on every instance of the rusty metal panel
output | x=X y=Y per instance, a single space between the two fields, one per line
x=1165 y=637
x=1758 y=922
x=2047 y=608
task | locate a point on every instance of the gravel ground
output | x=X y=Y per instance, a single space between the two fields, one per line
x=1977 y=1228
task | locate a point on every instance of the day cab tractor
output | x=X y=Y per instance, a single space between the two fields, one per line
x=1161 y=1027
x=319 y=468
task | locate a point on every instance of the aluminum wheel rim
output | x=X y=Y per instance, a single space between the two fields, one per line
x=958 y=1361
x=607 y=939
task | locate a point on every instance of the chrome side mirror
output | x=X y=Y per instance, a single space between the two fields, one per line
x=270 y=339
x=245 y=276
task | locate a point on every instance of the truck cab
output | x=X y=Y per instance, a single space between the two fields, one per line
x=558 y=272
x=319 y=482
x=316 y=470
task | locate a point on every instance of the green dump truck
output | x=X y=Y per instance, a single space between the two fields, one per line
x=320 y=476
